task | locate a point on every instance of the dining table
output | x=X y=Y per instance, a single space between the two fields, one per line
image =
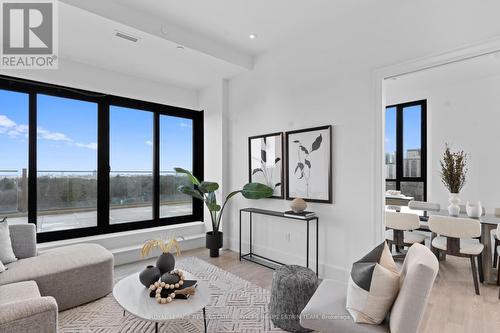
x=489 y=222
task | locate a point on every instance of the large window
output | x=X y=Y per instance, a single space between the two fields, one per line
x=14 y=115
x=405 y=149
x=100 y=163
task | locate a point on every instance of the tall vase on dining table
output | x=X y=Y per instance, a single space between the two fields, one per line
x=454 y=207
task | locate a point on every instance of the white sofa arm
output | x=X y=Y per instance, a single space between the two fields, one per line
x=37 y=315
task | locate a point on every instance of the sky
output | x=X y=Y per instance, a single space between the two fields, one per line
x=411 y=129
x=67 y=136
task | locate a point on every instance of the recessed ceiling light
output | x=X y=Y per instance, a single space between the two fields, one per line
x=252 y=36
x=180 y=47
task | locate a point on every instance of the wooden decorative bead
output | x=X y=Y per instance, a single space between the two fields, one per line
x=162 y=284
x=172 y=295
x=169 y=299
x=163 y=300
x=181 y=282
x=176 y=285
x=158 y=299
x=157 y=284
x=171 y=286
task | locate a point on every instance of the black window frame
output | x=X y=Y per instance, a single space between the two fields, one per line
x=399 y=145
x=104 y=101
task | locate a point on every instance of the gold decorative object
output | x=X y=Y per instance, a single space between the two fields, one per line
x=165 y=247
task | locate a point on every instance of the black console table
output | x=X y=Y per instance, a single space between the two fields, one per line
x=270 y=263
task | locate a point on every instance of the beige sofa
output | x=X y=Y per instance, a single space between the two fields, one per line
x=70 y=275
x=326 y=311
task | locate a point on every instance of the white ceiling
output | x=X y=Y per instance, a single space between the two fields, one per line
x=213 y=32
x=446 y=75
x=88 y=38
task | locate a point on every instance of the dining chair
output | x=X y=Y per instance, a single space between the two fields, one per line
x=458 y=237
x=496 y=236
x=400 y=230
x=497 y=251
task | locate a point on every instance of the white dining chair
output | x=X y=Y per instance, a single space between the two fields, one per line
x=458 y=237
x=496 y=236
x=400 y=230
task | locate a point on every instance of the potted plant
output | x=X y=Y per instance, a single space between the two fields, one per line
x=205 y=191
x=453 y=172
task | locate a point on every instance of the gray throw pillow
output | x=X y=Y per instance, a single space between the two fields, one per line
x=6 y=253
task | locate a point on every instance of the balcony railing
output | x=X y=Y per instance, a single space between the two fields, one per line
x=63 y=191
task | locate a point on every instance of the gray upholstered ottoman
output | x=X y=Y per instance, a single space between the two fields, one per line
x=292 y=288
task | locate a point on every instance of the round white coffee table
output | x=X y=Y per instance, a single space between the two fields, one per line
x=134 y=298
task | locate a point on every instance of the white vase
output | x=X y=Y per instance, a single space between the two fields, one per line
x=454 y=208
x=474 y=209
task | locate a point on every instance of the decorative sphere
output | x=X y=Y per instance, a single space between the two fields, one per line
x=171 y=286
x=176 y=285
x=181 y=282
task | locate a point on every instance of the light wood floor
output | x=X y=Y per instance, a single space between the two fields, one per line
x=453 y=306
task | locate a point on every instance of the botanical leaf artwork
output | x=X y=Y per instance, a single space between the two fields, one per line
x=303 y=168
x=267 y=168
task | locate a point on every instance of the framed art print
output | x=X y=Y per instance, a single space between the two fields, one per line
x=265 y=159
x=309 y=164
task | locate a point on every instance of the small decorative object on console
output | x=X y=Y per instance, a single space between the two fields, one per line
x=301 y=215
x=298 y=205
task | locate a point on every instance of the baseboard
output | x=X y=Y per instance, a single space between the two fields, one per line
x=326 y=271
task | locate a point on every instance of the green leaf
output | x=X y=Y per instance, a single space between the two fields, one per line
x=192 y=178
x=232 y=194
x=207 y=187
x=308 y=163
x=304 y=149
x=211 y=198
x=256 y=191
x=213 y=207
x=317 y=143
x=190 y=191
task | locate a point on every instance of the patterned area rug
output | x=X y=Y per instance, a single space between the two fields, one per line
x=236 y=305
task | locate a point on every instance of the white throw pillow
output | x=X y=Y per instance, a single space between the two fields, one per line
x=373 y=286
x=6 y=253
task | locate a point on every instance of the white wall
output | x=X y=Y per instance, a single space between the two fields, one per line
x=325 y=77
x=466 y=115
x=213 y=101
x=78 y=75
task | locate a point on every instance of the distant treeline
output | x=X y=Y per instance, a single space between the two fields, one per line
x=81 y=192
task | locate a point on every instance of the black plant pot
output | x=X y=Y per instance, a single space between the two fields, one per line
x=165 y=262
x=214 y=243
x=149 y=275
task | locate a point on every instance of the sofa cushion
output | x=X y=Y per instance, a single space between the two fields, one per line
x=18 y=291
x=6 y=253
x=73 y=275
x=326 y=312
x=373 y=286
